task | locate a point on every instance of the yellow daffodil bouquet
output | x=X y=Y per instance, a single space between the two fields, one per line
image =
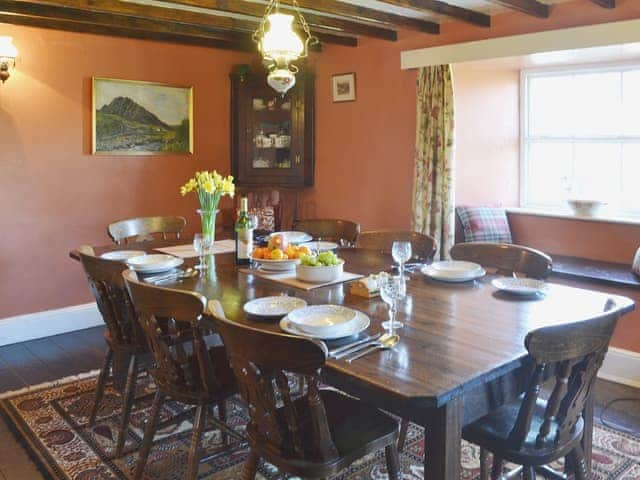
x=210 y=188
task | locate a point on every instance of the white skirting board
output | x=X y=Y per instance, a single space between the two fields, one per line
x=621 y=366
x=50 y=322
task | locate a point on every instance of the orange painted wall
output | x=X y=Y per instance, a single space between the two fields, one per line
x=54 y=195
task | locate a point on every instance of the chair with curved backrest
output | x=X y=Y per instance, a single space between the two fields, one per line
x=533 y=431
x=342 y=232
x=505 y=258
x=423 y=246
x=125 y=341
x=315 y=435
x=144 y=227
x=186 y=368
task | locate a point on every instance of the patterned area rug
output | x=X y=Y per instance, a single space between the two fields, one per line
x=50 y=421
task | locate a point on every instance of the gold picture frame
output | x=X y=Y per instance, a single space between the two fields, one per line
x=343 y=87
x=130 y=117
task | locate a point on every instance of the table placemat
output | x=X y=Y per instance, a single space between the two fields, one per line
x=187 y=251
x=289 y=278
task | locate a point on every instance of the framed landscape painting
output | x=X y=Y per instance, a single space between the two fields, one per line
x=141 y=118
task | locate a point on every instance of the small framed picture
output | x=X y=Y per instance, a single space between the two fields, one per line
x=344 y=87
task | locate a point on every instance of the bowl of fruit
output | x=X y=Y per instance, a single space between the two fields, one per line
x=322 y=268
x=278 y=255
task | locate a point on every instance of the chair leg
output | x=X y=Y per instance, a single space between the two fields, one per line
x=102 y=381
x=127 y=403
x=250 y=467
x=149 y=433
x=393 y=462
x=578 y=463
x=222 y=416
x=194 y=450
x=496 y=468
x=402 y=438
x=528 y=472
x=484 y=467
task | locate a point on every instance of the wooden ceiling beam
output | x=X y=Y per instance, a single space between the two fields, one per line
x=356 y=12
x=463 y=14
x=530 y=7
x=605 y=3
x=115 y=31
x=315 y=21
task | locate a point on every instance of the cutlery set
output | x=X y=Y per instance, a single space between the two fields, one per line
x=365 y=346
x=177 y=275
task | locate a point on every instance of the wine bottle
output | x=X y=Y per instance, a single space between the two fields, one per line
x=244 y=234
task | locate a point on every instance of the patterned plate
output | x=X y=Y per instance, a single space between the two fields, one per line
x=273 y=306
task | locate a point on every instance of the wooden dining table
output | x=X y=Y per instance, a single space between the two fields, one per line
x=461 y=352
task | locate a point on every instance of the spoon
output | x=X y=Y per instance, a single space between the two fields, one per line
x=187 y=273
x=387 y=344
x=356 y=348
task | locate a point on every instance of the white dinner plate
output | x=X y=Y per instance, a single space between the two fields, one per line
x=520 y=286
x=123 y=255
x=273 y=306
x=320 y=246
x=154 y=263
x=294 y=237
x=454 y=272
x=361 y=323
x=322 y=320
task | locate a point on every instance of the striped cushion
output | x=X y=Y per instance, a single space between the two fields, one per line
x=484 y=224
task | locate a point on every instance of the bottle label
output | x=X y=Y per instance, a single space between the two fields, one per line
x=245 y=242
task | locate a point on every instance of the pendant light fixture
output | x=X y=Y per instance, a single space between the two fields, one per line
x=280 y=45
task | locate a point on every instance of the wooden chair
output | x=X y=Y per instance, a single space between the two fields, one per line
x=124 y=338
x=315 y=435
x=533 y=431
x=343 y=232
x=144 y=227
x=423 y=246
x=505 y=258
x=186 y=368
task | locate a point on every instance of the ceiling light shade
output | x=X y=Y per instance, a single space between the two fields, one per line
x=281 y=80
x=8 y=54
x=280 y=43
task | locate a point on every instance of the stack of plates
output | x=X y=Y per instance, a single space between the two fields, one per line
x=320 y=246
x=273 y=307
x=154 y=263
x=326 y=322
x=122 y=255
x=453 y=271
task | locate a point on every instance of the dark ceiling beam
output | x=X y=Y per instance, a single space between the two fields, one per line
x=605 y=3
x=318 y=21
x=436 y=6
x=356 y=12
x=97 y=29
x=530 y=7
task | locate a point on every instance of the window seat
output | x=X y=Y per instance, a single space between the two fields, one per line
x=616 y=274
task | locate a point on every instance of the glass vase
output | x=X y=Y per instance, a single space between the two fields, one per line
x=208 y=221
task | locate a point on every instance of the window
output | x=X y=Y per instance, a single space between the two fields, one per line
x=581 y=138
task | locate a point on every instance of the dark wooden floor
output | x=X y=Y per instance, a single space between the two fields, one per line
x=48 y=359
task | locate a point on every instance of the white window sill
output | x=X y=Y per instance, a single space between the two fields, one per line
x=603 y=217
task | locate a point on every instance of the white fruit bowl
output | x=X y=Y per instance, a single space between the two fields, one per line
x=321 y=274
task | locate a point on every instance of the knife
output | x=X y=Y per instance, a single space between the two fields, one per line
x=340 y=350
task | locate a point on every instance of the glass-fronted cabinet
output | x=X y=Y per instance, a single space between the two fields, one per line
x=272 y=137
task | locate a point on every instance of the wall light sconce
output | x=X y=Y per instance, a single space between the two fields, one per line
x=8 y=54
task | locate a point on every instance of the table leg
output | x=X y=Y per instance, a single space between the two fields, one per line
x=587 y=436
x=443 y=434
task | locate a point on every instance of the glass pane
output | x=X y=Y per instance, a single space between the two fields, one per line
x=550 y=106
x=630 y=176
x=597 y=172
x=271 y=132
x=549 y=173
x=598 y=105
x=631 y=103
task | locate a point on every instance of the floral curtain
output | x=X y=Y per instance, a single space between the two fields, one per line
x=433 y=190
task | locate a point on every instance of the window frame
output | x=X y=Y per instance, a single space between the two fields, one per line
x=524 y=138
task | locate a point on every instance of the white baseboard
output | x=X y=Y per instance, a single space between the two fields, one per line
x=50 y=322
x=621 y=366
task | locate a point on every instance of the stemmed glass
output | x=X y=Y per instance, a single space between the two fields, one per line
x=202 y=245
x=392 y=289
x=401 y=252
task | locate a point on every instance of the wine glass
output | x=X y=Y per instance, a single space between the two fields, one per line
x=401 y=252
x=392 y=289
x=201 y=244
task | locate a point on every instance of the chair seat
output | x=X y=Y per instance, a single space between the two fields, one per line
x=492 y=433
x=356 y=429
